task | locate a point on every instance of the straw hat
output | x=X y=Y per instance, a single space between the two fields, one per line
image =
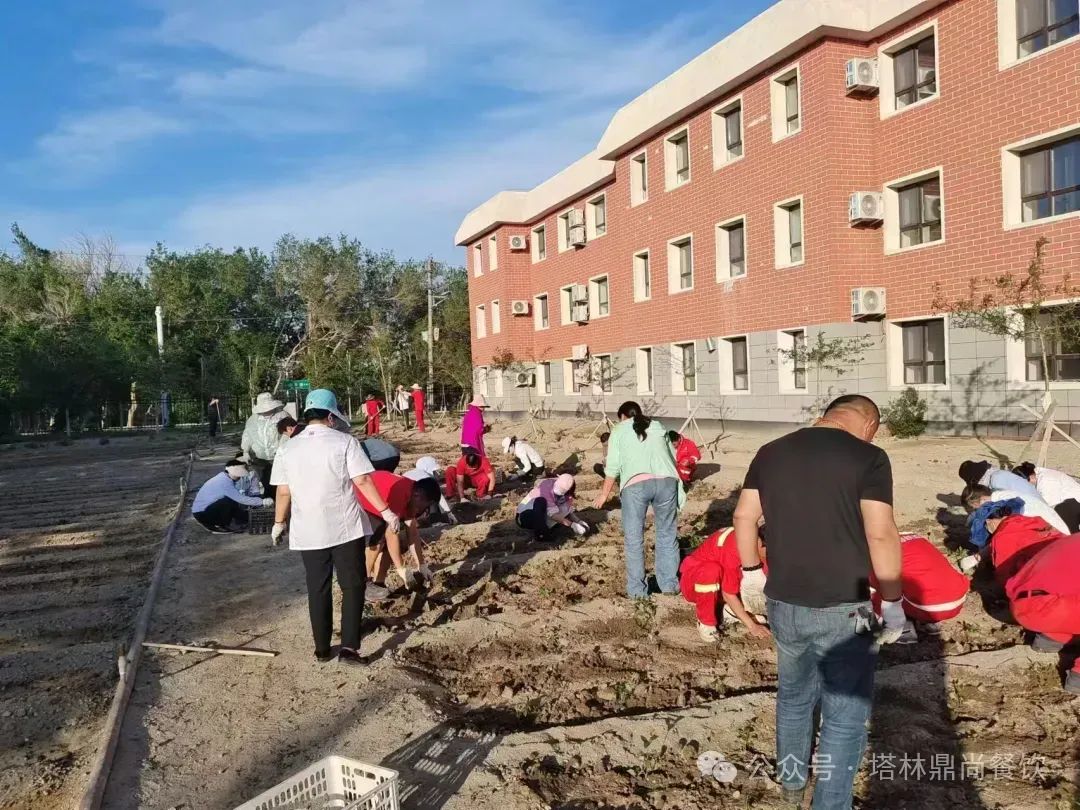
x=479 y=401
x=416 y=387
x=265 y=403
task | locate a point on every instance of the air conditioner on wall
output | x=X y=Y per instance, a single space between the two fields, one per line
x=575 y=217
x=580 y=313
x=866 y=206
x=861 y=75
x=524 y=379
x=519 y=307
x=867 y=302
x=577 y=236
x=579 y=352
x=580 y=293
x=519 y=242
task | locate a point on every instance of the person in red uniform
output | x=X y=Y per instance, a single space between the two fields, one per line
x=408 y=500
x=1045 y=598
x=372 y=408
x=472 y=470
x=418 y=406
x=1015 y=539
x=933 y=590
x=687 y=455
x=712 y=570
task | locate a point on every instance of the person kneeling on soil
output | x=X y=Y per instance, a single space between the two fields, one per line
x=408 y=500
x=219 y=506
x=932 y=589
x=428 y=467
x=1044 y=596
x=1009 y=537
x=549 y=503
x=976 y=496
x=714 y=568
x=1057 y=488
x=687 y=455
x=530 y=463
x=472 y=470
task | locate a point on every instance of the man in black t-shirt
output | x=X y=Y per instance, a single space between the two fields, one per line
x=826 y=495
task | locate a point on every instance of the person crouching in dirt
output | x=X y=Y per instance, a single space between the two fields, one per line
x=550 y=503
x=714 y=569
x=1057 y=488
x=687 y=455
x=1007 y=536
x=408 y=500
x=219 y=506
x=428 y=467
x=529 y=462
x=471 y=470
x=981 y=502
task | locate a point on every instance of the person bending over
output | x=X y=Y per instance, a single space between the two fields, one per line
x=428 y=467
x=1033 y=506
x=529 y=462
x=1010 y=538
x=980 y=473
x=472 y=470
x=1058 y=489
x=714 y=568
x=550 y=503
x=687 y=455
x=219 y=506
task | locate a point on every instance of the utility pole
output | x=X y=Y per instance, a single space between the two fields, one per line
x=430 y=331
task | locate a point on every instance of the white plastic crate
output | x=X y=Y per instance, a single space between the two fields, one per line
x=334 y=783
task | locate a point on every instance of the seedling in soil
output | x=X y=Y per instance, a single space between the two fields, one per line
x=644 y=613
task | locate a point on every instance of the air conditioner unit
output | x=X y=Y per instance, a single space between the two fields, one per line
x=579 y=352
x=867 y=302
x=580 y=313
x=576 y=217
x=577 y=236
x=519 y=242
x=524 y=379
x=519 y=307
x=861 y=75
x=580 y=294
x=866 y=206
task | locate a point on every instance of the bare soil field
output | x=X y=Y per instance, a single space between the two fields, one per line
x=524 y=679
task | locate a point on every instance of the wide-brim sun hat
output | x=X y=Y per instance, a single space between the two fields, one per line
x=416 y=387
x=323 y=399
x=266 y=403
x=563 y=484
x=479 y=401
x=428 y=464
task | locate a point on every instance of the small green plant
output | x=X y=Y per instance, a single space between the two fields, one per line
x=906 y=416
x=644 y=612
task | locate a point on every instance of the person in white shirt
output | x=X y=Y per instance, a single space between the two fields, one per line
x=530 y=463
x=975 y=496
x=315 y=473
x=261 y=438
x=220 y=506
x=1057 y=488
x=429 y=467
x=402 y=400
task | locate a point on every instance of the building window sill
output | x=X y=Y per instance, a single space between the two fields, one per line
x=1023 y=60
x=1014 y=226
x=885 y=115
x=923 y=246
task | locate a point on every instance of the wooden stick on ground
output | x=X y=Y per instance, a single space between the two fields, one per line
x=215 y=650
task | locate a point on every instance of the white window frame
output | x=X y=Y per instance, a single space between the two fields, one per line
x=785 y=364
x=538 y=321
x=645 y=385
x=596 y=361
x=891 y=195
x=493 y=252
x=590 y=217
x=727 y=366
x=539 y=236
x=481 y=321
x=562 y=223
x=566 y=305
x=499 y=378
x=543 y=378
x=1007 y=46
x=781 y=233
x=894 y=353
x=640 y=269
x=886 y=70
x=678 y=383
x=673 y=268
x=594 y=296
x=721 y=158
x=1010 y=177
x=568 y=377
x=778 y=102
x=723 y=250
x=671 y=181
x=478 y=259
x=496 y=317
x=639 y=178
x=482 y=380
x=1016 y=360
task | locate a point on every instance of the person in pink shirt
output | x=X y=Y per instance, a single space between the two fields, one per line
x=472 y=426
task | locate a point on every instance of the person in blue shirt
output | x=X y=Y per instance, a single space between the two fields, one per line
x=219 y=506
x=975 y=473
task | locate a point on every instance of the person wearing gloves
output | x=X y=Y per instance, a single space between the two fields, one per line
x=472 y=426
x=1058 y=489
x=219 y=504
x=471 y=470
x=317 y=474
x=260 y=440
x=714 y=569
x=826 y=494
x=530 y=463
x=687 y=455
x=976 y=495
x=980 y=473
x=550 y=503
x=428 y=467
x=1011 y=538
x=408 y=500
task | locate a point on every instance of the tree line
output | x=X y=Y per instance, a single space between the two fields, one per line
x=77 y=328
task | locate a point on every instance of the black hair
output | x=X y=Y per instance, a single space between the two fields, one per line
x=284 y=424
x=673 y=436
x=631 y=410
x=429 y=488
x=972 y=493
x=513 y=440
x=605 y=436
x=235 y=461
x=570 y=492
x=858 y=400
x=761 y=534
x=472 y=458
x=316 y=415
x=1025 y=470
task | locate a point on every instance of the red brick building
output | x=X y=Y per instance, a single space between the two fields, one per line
x=829 y=149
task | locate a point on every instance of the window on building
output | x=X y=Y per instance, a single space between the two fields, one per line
x=644 y=363
x=1050 y=180
x=493 y=253
x=639 y=179
x=541 y=318
x=791 y=104
x=596 y=217
x=915 y=72
x=740 y=367
x=1042 y=23
x=788 y=226
x=680 y=264
x=642 y=277
x=924 y=352
x=566 y=305
x=798 y=358
x=563 y=223
x=543 y=378
x=575 y=376
x=727 y=133
x=539 y=243
x=496 y=317
x=677 y=158
x=785 y=104
x=731 y=250
x=1062 y=351
x=685 y=368
x=599 y=297
x=478 y=259
x=920 y=212
x=482 y=380
x=481 y=322
x=602 y=374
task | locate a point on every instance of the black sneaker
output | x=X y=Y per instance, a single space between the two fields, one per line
x=1042 y=644
x=324 y=658
x=351 y=658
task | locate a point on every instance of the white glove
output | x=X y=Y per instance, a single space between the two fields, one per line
x=452 y=518
x=752 y=591
x=892 y=616
x=276 y=532
x=268 y=501
x=393 y=522
x=970 y=563
x=579 y=529
x=406 y=577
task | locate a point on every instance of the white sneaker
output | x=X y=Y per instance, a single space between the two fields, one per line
x=708 y=633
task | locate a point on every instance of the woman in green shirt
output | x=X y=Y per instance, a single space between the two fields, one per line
x=640 y=458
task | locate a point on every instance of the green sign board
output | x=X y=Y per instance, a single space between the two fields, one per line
x=293 y=386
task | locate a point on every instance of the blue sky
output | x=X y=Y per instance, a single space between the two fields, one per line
x=230 y=122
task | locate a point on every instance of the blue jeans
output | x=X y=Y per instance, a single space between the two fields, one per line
x=821 y=659
x=663 y=494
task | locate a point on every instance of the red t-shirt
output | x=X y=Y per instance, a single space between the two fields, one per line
x=371 y=407
x=687 y=455
x=927 y=578
x=1052 y=569
x=1017 y=540
x=720 y=549
x=396 y=490
x=463 y=467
